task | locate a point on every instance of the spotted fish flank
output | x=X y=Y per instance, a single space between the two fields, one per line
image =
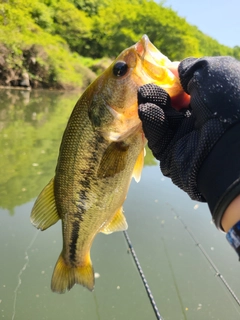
x=101 y=150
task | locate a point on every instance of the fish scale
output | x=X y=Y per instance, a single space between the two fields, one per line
x=101 y=150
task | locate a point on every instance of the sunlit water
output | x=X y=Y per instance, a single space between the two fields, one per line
x=161 y=218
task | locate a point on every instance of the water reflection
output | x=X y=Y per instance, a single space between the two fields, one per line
x=184 y=285
x=31 y=127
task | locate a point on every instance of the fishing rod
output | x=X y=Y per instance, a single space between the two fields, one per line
x=208 y=259
x=198 y=244
x=147 y=288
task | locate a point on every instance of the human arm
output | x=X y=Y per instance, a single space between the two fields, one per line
x=231 y=215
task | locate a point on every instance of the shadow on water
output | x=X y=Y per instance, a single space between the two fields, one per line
x=184 y=284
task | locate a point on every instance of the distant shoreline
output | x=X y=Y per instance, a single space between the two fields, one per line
x=16 y=88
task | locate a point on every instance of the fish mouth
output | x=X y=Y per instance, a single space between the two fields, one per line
x=146 y=50
x=153 y=62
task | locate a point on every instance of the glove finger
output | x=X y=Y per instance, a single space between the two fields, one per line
x=175 y=117
x=153 y=120
x=153 y=94
x=155 y=127
x=160 y=120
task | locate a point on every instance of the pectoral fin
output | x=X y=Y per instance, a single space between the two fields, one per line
x=113 y=160
x=139 y=166
x=118 y=223
x=44 y=213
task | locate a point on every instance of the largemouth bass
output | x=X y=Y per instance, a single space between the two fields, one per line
x=101 y=150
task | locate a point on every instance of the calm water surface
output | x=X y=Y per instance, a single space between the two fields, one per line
x=161 y=218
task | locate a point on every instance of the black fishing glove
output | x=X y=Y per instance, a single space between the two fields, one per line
x=198 y=148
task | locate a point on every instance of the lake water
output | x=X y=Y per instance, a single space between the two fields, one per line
x=171 y=235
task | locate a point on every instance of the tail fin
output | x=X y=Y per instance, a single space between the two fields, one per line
x=65 y=276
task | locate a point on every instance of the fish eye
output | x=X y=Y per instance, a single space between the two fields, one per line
x=120 y=68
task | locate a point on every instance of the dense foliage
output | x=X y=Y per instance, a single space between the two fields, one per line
x=48 y=39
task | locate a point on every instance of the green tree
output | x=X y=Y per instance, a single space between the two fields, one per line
x=236 y=52
x=72 y=24
x=43 y=16
x=88 y=6
x=59 y=32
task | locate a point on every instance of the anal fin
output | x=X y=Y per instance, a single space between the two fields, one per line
x=44 y=212
x=118 y=223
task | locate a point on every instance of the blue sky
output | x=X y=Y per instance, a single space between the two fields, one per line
x=219 y=19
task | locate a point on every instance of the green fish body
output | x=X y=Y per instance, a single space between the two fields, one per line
x=101 y=150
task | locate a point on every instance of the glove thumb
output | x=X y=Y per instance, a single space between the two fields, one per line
x=159 y=119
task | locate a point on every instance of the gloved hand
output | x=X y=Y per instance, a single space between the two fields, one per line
x=199 y=147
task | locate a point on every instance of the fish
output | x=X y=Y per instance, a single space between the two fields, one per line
x=102 y=148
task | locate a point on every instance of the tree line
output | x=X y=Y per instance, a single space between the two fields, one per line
x=59 y=42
